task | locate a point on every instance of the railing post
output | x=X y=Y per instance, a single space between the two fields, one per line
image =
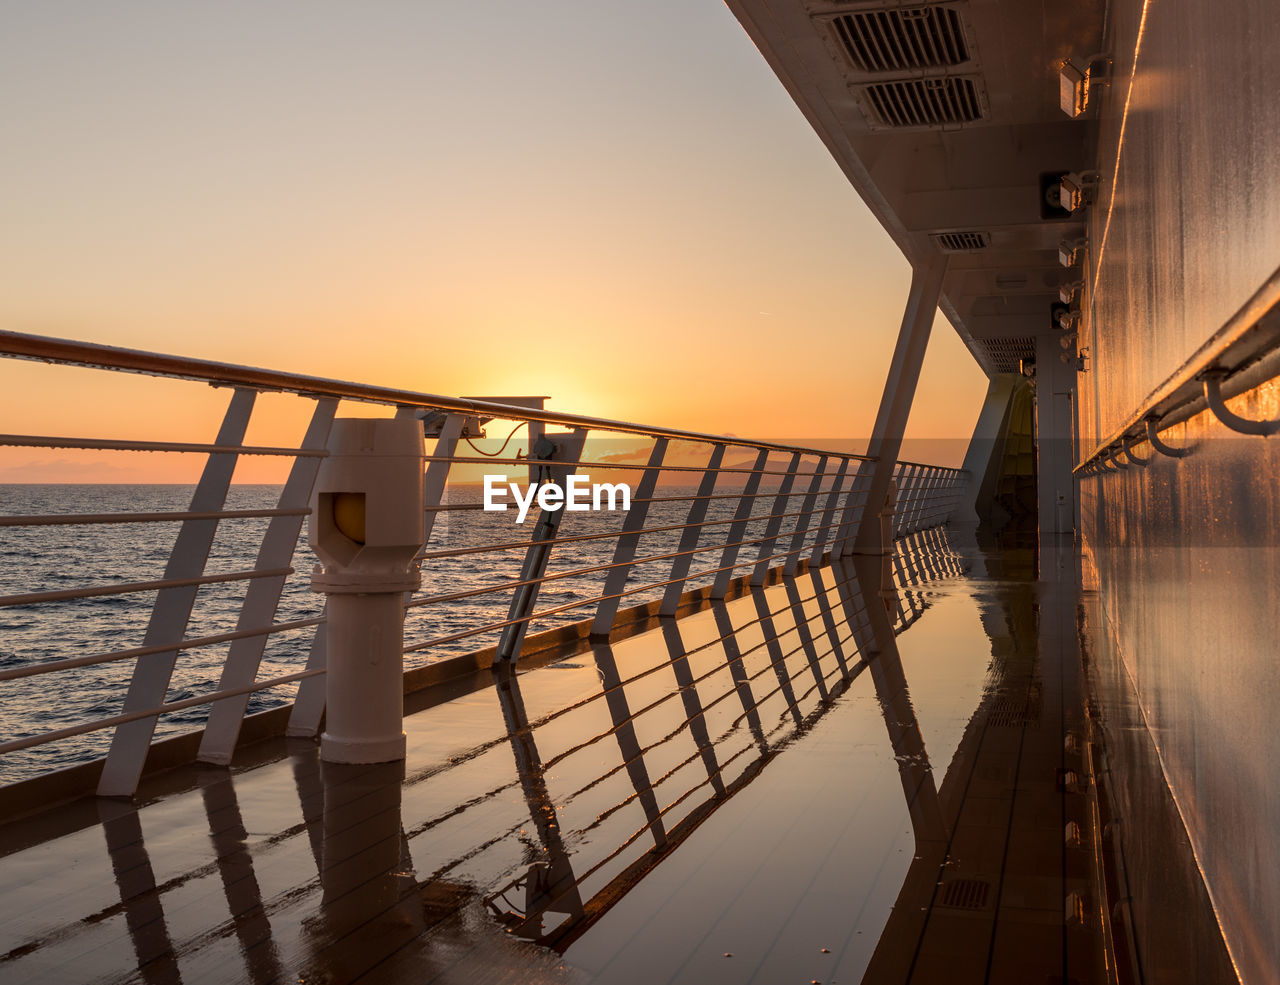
x=437 y=473
x=567 y=451
x=736 y=529
x=825 y=531
x=792 y=564
x=616 y=579
x=932 y=496
x=775 y=522
x=262 y=598
x=690 y=534
x=887 y=524
x=856 y=507
x=308 y=705
x=907 y=481
x=172 y=609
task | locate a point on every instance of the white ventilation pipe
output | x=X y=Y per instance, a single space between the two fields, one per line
x=367 y=527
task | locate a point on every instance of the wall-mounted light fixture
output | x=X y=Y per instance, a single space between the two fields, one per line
x=1076 y=189
x=1063 y=316
x=1062 y=193
x=1067 y=290
x=1076 y=77
x=1069 y=251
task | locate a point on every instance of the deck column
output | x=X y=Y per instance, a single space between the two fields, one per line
x=899 y=392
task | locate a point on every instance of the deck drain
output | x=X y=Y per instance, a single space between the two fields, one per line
x=966 y=894
x=1015 y=712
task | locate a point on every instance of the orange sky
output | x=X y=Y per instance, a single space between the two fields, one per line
x=505 y=198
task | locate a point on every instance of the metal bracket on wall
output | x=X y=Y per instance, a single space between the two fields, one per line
x=1133 y=459
x=1153 y=436
x=1212 y=382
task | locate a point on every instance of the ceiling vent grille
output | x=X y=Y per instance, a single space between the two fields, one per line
x=1004 y=354
x=924 y=102
x=962 y=242
x=902 y=39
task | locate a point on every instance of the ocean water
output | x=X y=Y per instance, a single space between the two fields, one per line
x=51 y=558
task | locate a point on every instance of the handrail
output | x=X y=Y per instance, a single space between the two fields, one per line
x=748 y=530
x=20 y=345
x=1243 y=354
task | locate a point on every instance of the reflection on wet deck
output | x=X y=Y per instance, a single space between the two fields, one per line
x=749 y=794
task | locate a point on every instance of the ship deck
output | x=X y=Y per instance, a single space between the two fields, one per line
x=817 y=781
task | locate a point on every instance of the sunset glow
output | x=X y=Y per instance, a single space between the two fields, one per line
x=475 y=199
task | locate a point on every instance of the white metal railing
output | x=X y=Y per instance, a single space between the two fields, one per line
x=138 y=651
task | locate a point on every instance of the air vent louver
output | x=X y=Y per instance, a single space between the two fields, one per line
x=924 y=102
x=1005 y=353
x=897 y=40
x=962 y=242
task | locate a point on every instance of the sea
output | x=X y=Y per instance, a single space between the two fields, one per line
x=53 y=558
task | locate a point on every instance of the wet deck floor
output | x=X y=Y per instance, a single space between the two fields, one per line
x=806 y=784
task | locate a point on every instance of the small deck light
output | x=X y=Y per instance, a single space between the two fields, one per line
x=1075 y=79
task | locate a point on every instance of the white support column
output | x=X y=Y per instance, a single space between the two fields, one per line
x=1055 y=393
x=308 y=706
x=691 y=533
x=263 y=595
x=367 y=530
x=900 y=390
x=986 y=445
x=172 y=609
x=628 y=540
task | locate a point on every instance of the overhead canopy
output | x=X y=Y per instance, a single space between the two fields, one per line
x=947 y=119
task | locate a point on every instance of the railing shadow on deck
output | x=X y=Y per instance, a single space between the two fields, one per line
x=640 y=762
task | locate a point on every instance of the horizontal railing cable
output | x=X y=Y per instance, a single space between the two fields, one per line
x=162 y=516
x=49 y=666
x=127 y=588
x=111 y=444
x=13 y=745
x=577 y=604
